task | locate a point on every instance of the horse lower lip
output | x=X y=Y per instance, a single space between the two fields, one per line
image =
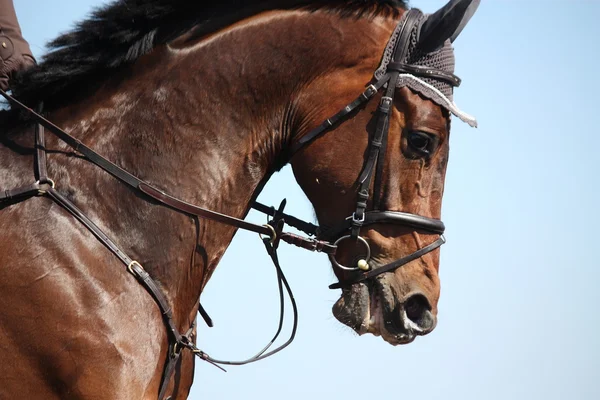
x=375 y=314
x=373 y=302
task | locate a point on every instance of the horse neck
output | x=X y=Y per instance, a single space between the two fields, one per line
x=206 y=120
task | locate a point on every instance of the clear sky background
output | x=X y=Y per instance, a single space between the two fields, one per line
x=518 y=316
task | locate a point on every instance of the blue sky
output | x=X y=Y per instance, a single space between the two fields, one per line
x=518 y=314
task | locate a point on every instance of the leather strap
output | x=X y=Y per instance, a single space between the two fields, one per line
x=308 y=244
x=282 y=283
x=172 y=360
x=42 y=184
x=40 y=150
x=369 y=92
x=133 y=267
x=373 y=167
x=191 y=209
x=35 y=189
x=415 y=221
x=426 y=72
x=174 y=337
x=142 y=277
x=306 y=227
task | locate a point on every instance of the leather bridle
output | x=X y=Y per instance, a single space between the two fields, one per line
x=373 y=167
x=273 y=230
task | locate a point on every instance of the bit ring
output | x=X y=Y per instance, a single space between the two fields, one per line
x=340 y=266
x=273 y=233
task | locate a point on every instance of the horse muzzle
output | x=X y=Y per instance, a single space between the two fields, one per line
x=376 y=307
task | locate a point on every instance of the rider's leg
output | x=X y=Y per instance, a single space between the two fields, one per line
x=15 y=54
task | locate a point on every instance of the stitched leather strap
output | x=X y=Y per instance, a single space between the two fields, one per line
x=188 y=208
x=390 y=217
x=308 y=244
x=373 y=168
x=142 y=277
x=369 y=92
x=426 y=72
x=35 y=189
x=306 y=227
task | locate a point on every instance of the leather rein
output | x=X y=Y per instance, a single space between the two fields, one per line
x=272 y=232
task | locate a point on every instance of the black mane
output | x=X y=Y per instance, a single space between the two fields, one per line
x=121 y=32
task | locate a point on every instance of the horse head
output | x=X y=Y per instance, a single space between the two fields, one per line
x=338 y=173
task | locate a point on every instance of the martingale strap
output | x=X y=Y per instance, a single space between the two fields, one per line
x=177 y=341
x=23 y=192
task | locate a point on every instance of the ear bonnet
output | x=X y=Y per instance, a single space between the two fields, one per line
x=436 y=53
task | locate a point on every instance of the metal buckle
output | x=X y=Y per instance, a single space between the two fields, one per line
x=176 y=350
x=130 y=267
x=369 y=92
x=354 y=219
x=387 y=100
x=363 y=266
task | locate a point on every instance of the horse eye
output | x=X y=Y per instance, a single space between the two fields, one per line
x=420 y=143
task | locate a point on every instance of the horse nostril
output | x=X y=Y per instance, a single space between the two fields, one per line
x=418 y=310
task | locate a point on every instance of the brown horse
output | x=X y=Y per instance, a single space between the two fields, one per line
x=207 y=108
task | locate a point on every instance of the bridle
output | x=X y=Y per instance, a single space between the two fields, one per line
x=373 y=166
x=273 y=230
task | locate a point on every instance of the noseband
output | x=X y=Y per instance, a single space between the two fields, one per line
x=348 y=230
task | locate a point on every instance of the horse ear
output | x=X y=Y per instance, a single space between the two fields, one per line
x=446 y=23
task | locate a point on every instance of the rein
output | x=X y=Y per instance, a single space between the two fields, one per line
x=273 y=231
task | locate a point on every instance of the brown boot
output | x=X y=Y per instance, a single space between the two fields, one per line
x=15 y=54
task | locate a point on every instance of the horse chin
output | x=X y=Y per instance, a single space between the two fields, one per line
x=363 y=307
x=352 y=309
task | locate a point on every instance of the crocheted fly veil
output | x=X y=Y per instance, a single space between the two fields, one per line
x=437 y=90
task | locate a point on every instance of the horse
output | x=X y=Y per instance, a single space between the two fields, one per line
x=204 y=103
